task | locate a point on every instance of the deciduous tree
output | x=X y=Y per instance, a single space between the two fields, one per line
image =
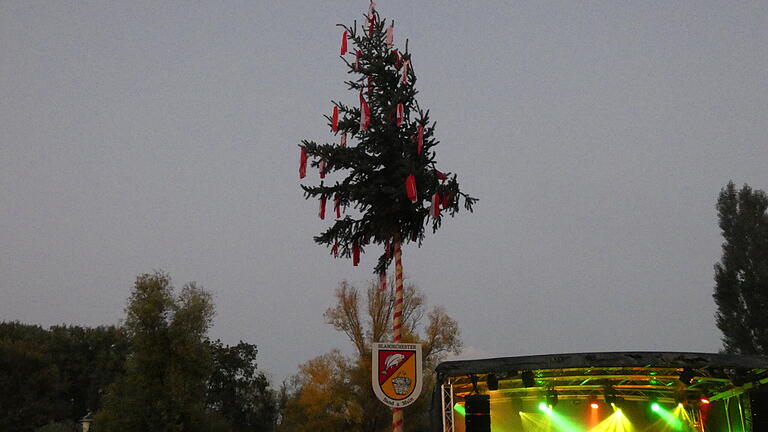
x=163 y=388
x=237 y=392
x=335 y=390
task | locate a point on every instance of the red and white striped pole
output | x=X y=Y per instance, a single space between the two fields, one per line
x=397 y=413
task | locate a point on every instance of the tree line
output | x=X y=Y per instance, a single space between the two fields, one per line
x=159 y=370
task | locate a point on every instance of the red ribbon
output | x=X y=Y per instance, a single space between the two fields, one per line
x=383 y=281
x=322 y=208
x=355 y=254
x=410 y=188
x=365 y=113
x=303 y=163
x=335 y=250
x=436 y=205
x=440 y=175
x=399 y=119
x=343 y=140
x=344 y=43
x=356 y=65
x=337 y=208
x=335 y=119
x=321 y=166
x=419 y=138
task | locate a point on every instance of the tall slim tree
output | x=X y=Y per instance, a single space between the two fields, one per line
x=163 y=388
x=741 y=276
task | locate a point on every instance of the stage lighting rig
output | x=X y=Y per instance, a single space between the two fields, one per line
x=551 y=397
x=492 y=381
x=528 y=379
x=686 y=376
x=592 y=401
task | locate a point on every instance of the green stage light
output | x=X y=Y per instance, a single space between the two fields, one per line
x=460 y=409
x=543 y=407
x=655 y=407
x=670 y=418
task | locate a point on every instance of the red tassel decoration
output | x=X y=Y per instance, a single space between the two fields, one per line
x=335 y=250
x=387 y=249
x=337 y=208
x=335 y=119
x=343 y=140
x=303 y=163
x=383 y=281
x=322 y=208
x=365 y=114
x=397 y=58
x=440 y=175
x=404 y=72
x=419 y=138
x=344 y=43
x=356 y=65
x=371 y=17
x=390 y=35
x=321 y=166
x=410 y=188
x=436 y=205
x=447 y=200
x=355 y=254
x=399 y=118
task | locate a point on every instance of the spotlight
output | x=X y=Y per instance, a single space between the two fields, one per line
x=592 y=401
x=655 y=407
x=551 y=397
x=686 y=376
x=492 y=381
x=528 y=380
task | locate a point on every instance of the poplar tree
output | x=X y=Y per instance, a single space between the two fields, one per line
x=741 y=276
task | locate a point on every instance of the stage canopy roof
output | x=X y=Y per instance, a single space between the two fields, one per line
x=625 y=376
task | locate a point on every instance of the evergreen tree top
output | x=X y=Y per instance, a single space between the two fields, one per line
x=389 y=185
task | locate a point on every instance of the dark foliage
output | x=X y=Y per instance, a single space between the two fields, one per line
x=741 y=276
x=237 y=392
x=55 y=375
x=385 y=154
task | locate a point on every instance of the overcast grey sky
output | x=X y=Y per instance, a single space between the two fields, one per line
x=163 y=135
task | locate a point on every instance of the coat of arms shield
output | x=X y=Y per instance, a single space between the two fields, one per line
x=396 y=373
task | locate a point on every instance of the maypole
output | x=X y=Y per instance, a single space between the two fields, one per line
x=390 y=189
x=397 y=413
